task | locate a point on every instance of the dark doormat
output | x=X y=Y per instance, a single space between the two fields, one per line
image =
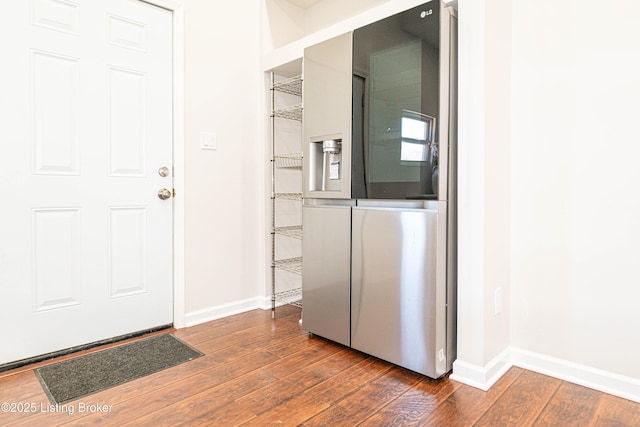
x=85 y=375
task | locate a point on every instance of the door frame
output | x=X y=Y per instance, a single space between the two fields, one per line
x=177 y=10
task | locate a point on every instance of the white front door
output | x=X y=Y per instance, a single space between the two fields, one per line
x=86 y=122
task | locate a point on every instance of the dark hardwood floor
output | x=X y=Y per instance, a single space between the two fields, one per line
x=259 y=371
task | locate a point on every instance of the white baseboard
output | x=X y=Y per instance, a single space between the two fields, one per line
x=597 y=379
x=482 y=377
x=212 y=313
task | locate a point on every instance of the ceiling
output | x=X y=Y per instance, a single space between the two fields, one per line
x=305 y=4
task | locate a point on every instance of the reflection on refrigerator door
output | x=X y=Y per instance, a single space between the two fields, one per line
x=395 y=289
x=326 y=272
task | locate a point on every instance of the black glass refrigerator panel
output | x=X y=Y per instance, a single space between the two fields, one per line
x=395 y=106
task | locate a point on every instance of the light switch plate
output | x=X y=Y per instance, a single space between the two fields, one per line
x=208 y=140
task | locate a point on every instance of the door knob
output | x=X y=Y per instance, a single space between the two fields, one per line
x=164 y=194
x=163 y=171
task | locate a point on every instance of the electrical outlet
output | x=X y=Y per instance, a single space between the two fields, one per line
x=497 y=301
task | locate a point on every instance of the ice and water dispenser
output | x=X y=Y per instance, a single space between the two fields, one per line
x=325 y=164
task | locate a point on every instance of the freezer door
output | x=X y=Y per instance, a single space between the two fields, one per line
x=398 y=304
x=326 y=244
x=326 y=96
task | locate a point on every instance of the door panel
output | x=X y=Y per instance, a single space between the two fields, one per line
x=126 y=100
x=395 y=289
x=55 y=100
x=127 y=250
x=326 y=246
x=56 y=15
x=57 y=275
x=126 y=33
x=85 y=242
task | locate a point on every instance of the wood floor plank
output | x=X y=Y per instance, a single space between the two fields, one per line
x=414 y=404
x=300 y=380
x=208 y=405
x=221 y=399
x=20 y=387
x=24 y=395
x=289 y=363
x=525 y=400
x=571 y=406
x=232 y=414
x=249 y=340
x=235 y=323
x=348 y=381
x=314 y=400
x=176 y=411
x=359 y=405
x=263 y=376
x=295 y=344
x=467 y=404
x=615 y=411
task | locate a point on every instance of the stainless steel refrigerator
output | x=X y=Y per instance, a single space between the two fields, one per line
x=379 y=214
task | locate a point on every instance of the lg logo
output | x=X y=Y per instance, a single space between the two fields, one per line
x=426 y=13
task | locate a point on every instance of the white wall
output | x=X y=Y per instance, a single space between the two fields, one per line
x=497 y=175
x=549 y=98
x=329 y=12
x=484 y=188
x=224 y=203
x=575 y=178
x=285 y=23
x=282 y=23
